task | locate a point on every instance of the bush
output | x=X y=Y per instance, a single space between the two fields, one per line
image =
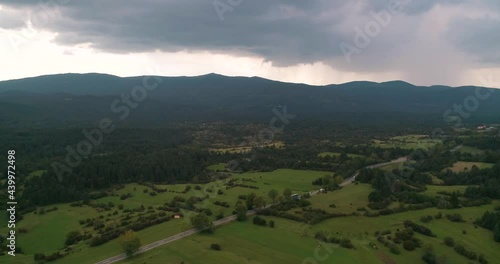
x=409 y=245
x=449 y=241
x=464 y=252
x=216 y=247
x=426 y=219
x=257 y=220
x=455 y=218
x=346 y=243
x=482 y=260
x=394 y=249
x=72 y=238
x=418 y=228
x=429 y=258
x=271 y=223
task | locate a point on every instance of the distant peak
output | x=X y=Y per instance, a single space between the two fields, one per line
x=397 y=82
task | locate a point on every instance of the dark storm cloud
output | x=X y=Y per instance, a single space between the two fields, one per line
x=285 y=32
x=274 y=30
x=479 y=36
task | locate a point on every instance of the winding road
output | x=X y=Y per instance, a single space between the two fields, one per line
x=230 y=219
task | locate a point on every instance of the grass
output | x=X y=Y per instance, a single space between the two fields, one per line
x=346 y=200
x=461 y=166
x=471 y=150
x=336 y=154
x=243 y=242
x=293 y=242
x=245 y=149
x=54 y=226
x=289 y=242
x=476 y=239
x=407 y=142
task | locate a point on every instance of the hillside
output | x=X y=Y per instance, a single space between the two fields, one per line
x=87 y=97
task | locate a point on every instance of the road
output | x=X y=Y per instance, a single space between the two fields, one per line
x=230 y=218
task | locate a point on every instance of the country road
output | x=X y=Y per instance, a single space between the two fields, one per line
x=231 y=218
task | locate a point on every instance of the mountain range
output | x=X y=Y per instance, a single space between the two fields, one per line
x=66 y=99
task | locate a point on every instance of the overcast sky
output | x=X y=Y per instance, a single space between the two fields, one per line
x=425 y=42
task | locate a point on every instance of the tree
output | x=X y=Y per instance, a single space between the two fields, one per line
x=287 y=193
x=241 y=211
x=72 y=238
x=338 y=180
x=130 y=243
x=455 y=203
x=325 y=180
x=273 y=193
x=496 y=232
x=259 y=202
x=202 y=222
x=409 y=245
x=249 y=201
x=449 y=241
x=220 y=215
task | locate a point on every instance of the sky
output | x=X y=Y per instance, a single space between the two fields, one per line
x=424 y=42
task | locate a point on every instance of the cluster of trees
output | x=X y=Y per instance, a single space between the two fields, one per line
x=166 y=166
x=418 y=228
x=491 y=221
x=343 y=242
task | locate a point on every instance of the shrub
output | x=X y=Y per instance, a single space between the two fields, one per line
x=72 y=238
x=418 y=228
x=216 y=247
x=455 y=217
x=438 y=215
x=409 y=245
x=394 y=249
x=429 y=258
x=346 y=243
x=257 y=220
x=449 y=241
x=426 y=219
x=482 y=260
x=271 y=223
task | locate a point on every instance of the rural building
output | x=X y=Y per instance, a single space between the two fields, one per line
x=295 y=197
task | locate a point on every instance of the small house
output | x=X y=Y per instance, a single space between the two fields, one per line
x=295 y=197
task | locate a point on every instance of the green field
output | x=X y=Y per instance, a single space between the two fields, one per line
x=292 y=242
x=461 y=166
x=407 y=142
x=53 y=226
x=247 y=243
x=346 y=200
x=471 y=150
x=289 y=242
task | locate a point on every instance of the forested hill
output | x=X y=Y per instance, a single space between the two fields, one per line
x=54 y=99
